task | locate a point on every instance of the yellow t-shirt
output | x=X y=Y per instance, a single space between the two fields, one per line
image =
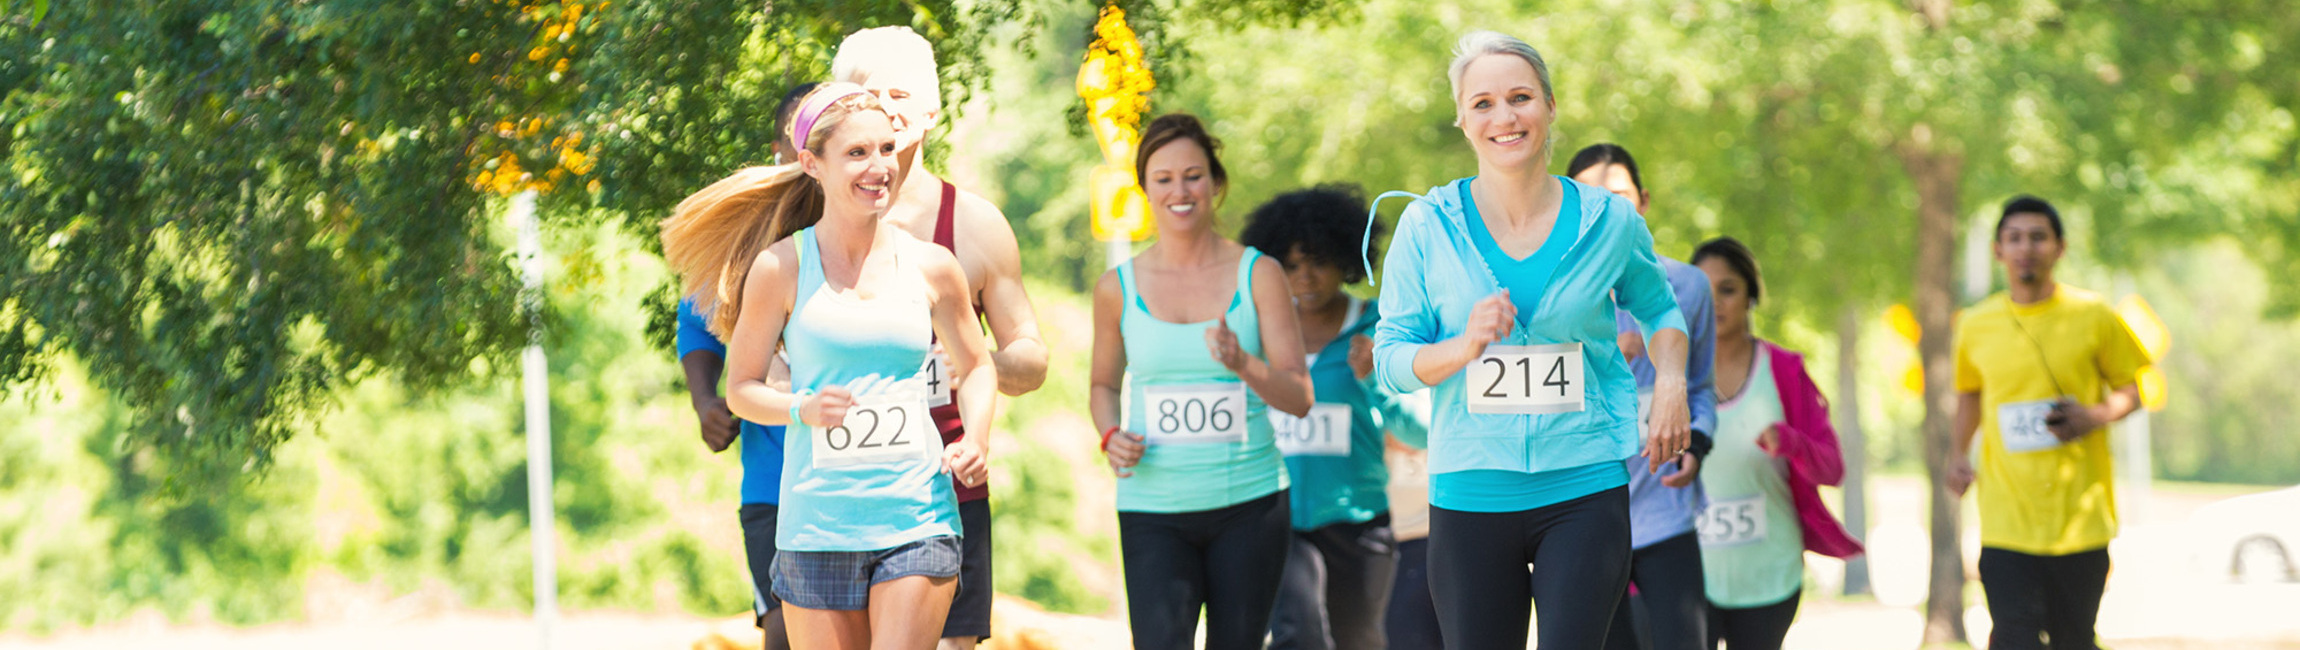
x=2038 y=496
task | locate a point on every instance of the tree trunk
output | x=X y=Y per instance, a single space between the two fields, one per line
x=1848 y=412
x=1937 y=175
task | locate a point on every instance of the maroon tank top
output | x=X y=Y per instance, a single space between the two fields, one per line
x=946 y=416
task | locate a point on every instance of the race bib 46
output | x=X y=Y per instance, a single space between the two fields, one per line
x=2022 y=427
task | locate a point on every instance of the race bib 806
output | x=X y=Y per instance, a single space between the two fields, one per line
x=1527 y=379
x=1195 y=413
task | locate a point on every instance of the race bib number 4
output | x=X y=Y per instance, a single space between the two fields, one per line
x=1732 y=522
x=1527 y=379
x=1196 y=413
x=1326 y=432
x=2022 y=426
x=879 y=431
x=938 y=387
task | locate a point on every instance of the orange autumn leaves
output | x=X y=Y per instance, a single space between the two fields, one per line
x=513 y=156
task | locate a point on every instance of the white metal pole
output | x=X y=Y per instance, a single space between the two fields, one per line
x=537 y=382
x=1117 y=249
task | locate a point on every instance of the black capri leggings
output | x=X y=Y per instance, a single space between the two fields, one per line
x=1670 y=610
x=1579 y=550
x=1226 y=560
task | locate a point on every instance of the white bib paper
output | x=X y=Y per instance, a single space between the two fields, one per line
x=1732 y=522
x=879 y=430
x=1194 y=413
x=938 y=388
x=1527 y=379
x=2021 y=426
x=1326 y=432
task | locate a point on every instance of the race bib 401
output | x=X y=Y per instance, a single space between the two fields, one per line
x=1326 y=432
x=1195 y=413
x=1527 y=379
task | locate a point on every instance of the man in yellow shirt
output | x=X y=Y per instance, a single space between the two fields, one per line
x=2041 y=370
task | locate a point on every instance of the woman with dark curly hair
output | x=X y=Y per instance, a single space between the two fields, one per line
x=1343 y=555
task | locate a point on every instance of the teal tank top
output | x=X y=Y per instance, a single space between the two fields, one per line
x=1197 y=476
x=875 y=348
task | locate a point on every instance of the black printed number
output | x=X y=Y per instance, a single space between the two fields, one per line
x=1555 y=377
x=1310 y=429
x=841 y=437
x=934 y=375
x=1194 y=416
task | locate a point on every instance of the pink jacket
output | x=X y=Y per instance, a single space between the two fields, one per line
x=1809 y=443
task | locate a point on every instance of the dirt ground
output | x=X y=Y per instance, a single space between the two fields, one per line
x=2155 y=601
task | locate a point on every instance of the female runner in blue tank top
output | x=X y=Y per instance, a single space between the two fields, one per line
x=1500 y=293
x=867 y=537
x=1343 y=556
x=1191 y=337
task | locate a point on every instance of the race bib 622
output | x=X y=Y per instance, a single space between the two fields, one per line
x=879 y=430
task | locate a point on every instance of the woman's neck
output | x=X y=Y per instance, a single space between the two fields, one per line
x=851 y=235
x=1334 y=306
x=1520 y=191
x=1187 y=248
x=1737 y=347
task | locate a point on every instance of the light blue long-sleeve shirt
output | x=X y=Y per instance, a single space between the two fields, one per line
x=1435 y=275
x=1658 y=512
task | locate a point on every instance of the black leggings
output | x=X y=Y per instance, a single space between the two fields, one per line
x=1752 y=628
x=2053 y=595
x=1668 y=612
x=1412 y=619
x=1579 y=550
x=1227 y=561
x=1336 y=588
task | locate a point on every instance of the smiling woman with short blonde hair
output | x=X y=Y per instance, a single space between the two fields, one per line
x=1500 y=295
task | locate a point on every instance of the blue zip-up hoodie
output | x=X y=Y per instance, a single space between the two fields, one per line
x=1435 y=275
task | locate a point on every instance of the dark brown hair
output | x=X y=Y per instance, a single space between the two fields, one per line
x=1180 y=126
x=1736 y=256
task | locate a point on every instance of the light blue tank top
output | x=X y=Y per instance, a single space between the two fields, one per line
x=870 y=347
x=1194 y=477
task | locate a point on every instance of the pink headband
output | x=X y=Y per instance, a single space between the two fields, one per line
x=803 y=121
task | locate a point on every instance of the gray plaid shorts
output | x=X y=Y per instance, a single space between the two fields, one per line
x=841 y=580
